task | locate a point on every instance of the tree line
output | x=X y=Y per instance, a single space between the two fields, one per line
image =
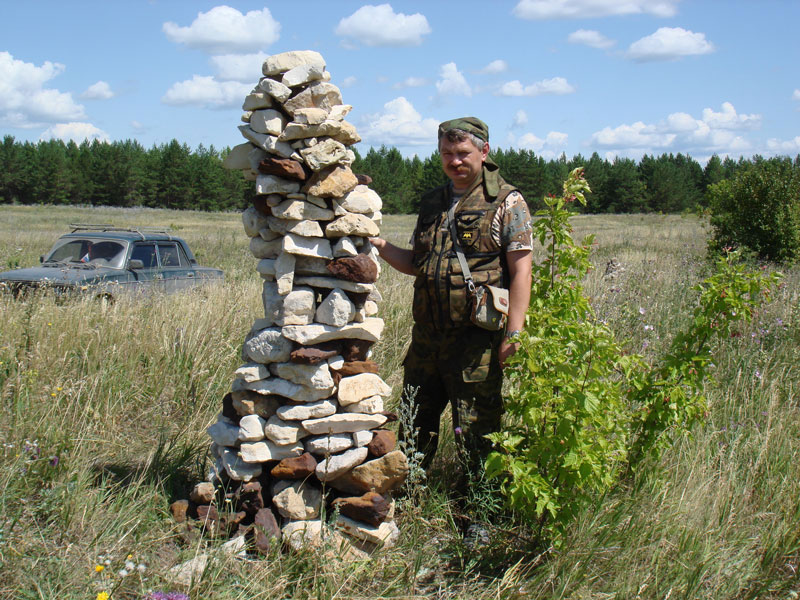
x=172 y=175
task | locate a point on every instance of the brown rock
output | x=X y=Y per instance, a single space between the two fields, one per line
x=230 y=523
x=355 y=350
x=382 y=443
x=390 y=416
x=363 y=179
x=354 y=367
x=370 y=508
x=179 y=508
x=331 y=182
x=260 y=204
x=381 y=475
x=248 y=402
x=203 y=493
x=298 y=467
x=359 y=268
x=267 y=531
x=208 y=516
x=283 y=167
x=312 y=355
x=249 y=497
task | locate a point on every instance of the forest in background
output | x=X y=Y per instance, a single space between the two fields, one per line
x=175 y=176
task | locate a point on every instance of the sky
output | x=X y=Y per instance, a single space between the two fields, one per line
x=617 y=77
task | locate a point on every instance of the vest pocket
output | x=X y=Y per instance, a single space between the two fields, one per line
x=468 y=227
x=477 y=367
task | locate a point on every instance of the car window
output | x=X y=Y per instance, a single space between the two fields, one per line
x=85 y=250
x=145 y=253
x=171 y=256
x=70 y=251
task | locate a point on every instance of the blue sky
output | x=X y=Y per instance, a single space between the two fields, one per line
x=619 y=77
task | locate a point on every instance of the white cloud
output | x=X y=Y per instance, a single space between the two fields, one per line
x=381 y=26
x=591 y=38
x=714 y=132
x=669 y=43
x=796 y=95
x=399 y=124
x=98 y=91
x=520 y=119
x=410 y=82
x=784 y=146
x=137 y=126
x=553 y=144
x=78 y=132
x=207 y=92
x=452 y=82
x=224 y=30
x=494 y=67
x=585 y=9
x=556 y=85
x=24 y=102
x=348 y=81
x=238 y=67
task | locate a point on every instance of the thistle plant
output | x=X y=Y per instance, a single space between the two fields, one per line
x=582 y=410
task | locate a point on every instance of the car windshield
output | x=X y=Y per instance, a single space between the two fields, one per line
x=90 y=251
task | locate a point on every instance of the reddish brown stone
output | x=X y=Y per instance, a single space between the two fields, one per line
x=359 y=268
x=311 y=356
x=203 y=493
x=266 y=530
x=354 y=367
x=249 y=497
x=363 y=179
x=298 y=467
x=283 y=167
x=382 y=443
x=390 y=416
x=207 y=512
x=355 y=350
x=179 y=508
x=370 y=508
x=229 y=523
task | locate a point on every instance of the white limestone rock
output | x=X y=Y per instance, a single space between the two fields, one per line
x=336 y=465
x=344 y=246
x=268 y=345
x=333 y=282
x=253 y=221
x=318 y=94
x=362 y=200
x=358 y=387
x=303 y=536
x=284 y=432
x=287 y=389
x=223 y=432
x=336 y=309
x=339 y=112
x=310 y=410
x=237 y=468
x=285 y=61
x=298 y=501
x=309 y=265
x=343 y=423
x=305 y=246
x=261 y=248
x=284 y=272
x=257 y=101
x=336 y=362
x=326 y=153
x=251 y=372
x=297 y=210
x=251 y=428
x=362 y=438
x=268 y=121
x=369 y=330
x=237 y=158
x=276 y=89
x=352 y=224
x=328 y=444
x=317 y=376
x=304 y=73
x=370 y=308
x=305 y=228
x=267 y=450
x=386 y=533
x=368 y=406
x=310 y=116
x=270 y=184
x=269 y=143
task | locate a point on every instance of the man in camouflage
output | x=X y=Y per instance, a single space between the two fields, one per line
x=450 y=359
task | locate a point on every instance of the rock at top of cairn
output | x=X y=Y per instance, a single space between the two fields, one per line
x=280 y=63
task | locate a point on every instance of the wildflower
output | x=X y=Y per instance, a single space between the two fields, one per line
x=99 y=568
x=641 y=310
x=102 y=596
x=457 y=431
x=758 y=374
x=53 y=394
x=123 y=573
x=54 y=461
x=141 y=567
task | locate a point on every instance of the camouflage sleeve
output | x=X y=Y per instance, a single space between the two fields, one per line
x=511 y=228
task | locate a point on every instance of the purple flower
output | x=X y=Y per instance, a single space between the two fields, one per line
x=166 y=596
x=54 y=461
x=457 y=430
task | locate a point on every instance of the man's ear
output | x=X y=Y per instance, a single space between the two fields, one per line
x=485 y=151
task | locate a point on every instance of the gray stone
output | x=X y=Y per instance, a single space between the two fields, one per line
x=275 y=89
x=237 y=468
x=268 y=345
x=253 y=221
x=305 y=246
x=284 y=432
x=251 y=428
x=297 y=210
x=284 y=272
x=352 y=224
x=358 y=387
x=272 y=184
x=265 y=451
x=298 y=307
x=255 y=157
x=305 y=228
x=323 y=154
x=361 y=200
x=336 y=465
x=304 y=73
x=251 y=372
x=343 y=423
x=223 y=432
x=256 y=101
x=237 y=157
x=344 y=246
x=310 y=410
x=370 y=330
x=314 y=376
x=299 y=501
x=336 y=309
x=268 y=143
x=285 y=61
x=317 y=95
x=309 y=265
x=287 y=389
x=328 y=444
x=368 y=406
x=296 y=131
x=269 y=121
x=261 y=248
x=362 y=438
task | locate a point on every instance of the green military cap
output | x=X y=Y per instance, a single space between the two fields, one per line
x=471 y=125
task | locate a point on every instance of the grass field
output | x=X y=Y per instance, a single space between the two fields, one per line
x=104 y=410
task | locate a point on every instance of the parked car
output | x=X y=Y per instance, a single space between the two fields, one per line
x=105 y=261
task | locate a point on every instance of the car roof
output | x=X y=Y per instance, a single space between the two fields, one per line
x=133 y=234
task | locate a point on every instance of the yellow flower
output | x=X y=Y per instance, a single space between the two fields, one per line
x=98 y=568
x=58 y=389
x=102 y=596
x=53 y=394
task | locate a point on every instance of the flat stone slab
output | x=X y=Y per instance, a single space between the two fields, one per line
x=328 y=444
x=333 y=282
x=251 y=428
x=299 y=501
x=251 y=372
x=300 y=210
x=264 y=451
x=306 y=246
x=287 y=389
x=305 y=228
x=337 y=464
x=223 y=432
x=386 y=533
x=343 y=423
x=316 y=376
x=370 y=330
x=285 y=61
x=358 y=387
x=237 y=468
x=284 y=432
x=352 y=224
x=268 y=345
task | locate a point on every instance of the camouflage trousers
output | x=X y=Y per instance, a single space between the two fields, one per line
x=460 y=367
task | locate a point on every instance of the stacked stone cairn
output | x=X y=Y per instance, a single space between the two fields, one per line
x=300 y=437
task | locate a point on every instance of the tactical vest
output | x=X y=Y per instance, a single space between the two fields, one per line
x=440 y=293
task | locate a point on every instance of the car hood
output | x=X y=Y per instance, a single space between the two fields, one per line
x=62 y=274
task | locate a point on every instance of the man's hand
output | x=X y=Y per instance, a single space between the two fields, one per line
x=399 y=258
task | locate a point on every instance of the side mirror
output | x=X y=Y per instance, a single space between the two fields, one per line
x=135 y=263
x=41 y=258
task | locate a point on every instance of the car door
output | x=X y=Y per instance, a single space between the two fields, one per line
x=149 y=278
x=177 y=271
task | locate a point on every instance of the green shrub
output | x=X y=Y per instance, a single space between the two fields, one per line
x=758 y=211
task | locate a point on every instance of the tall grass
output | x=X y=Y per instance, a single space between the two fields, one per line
x=104 y=409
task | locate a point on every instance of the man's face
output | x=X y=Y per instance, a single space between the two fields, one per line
x=462 y=162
